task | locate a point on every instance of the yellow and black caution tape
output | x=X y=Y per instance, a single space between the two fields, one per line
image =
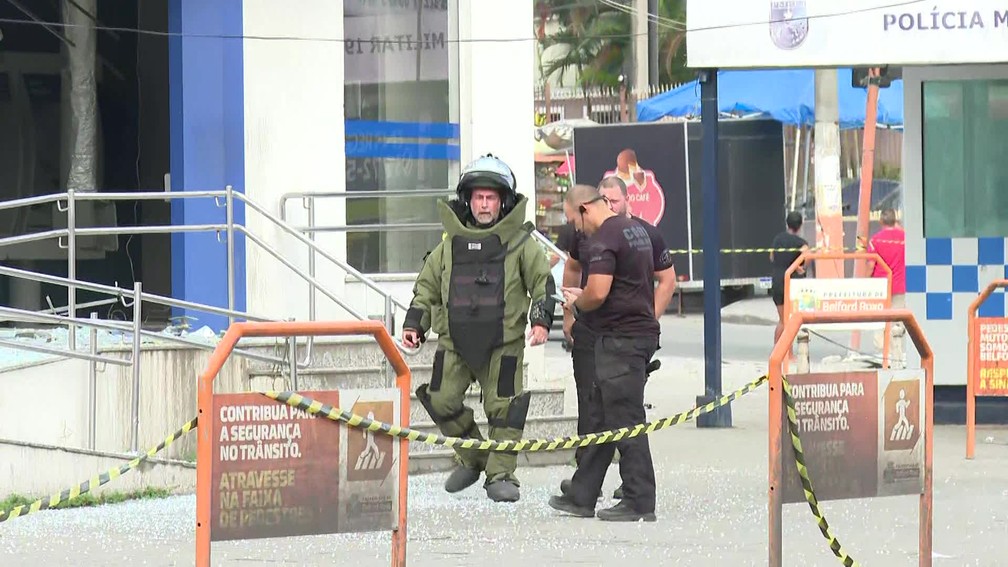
x=524 y=445
x=95 y=481
x=806 y=482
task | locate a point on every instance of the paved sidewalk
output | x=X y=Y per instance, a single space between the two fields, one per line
x=712 y=511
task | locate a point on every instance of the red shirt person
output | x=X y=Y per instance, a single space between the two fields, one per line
x=889 y=244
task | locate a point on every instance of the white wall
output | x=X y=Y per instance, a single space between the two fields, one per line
x=294 y=140
x=497 y=100
x=496 y=86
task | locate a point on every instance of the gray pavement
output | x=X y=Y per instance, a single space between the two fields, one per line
x=712 y=503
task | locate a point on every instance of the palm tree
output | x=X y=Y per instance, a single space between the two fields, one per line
x=596 y=39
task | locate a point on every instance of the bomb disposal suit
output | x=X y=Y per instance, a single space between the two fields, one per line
x=474 y=292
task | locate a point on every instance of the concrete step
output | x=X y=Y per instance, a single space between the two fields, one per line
x=353 y=375
x=444 y=460
x=545 y=402
x=431 y=458
x=333 y=352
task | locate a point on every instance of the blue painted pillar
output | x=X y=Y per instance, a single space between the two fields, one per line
x=711 y=253
x=207 y=149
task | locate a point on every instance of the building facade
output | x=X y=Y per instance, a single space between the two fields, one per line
x=323 y=96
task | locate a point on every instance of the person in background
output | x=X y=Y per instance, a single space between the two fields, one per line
x=781 y=260
x=890 y=244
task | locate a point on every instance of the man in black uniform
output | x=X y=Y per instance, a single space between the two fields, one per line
x=618 y=299
x=614 y=191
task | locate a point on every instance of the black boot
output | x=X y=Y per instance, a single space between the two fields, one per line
x=461 y=478
x=622 y=512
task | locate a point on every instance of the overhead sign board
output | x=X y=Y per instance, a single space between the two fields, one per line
x=839 y=295
x=844 y=33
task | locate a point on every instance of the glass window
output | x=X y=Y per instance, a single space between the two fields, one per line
x=965 y=171
x=402 y=133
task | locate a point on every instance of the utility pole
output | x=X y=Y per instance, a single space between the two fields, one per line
x=641 y=35
x=652 y=36
x=828 y=213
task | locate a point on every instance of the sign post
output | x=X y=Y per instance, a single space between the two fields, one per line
x=987 y=360
x=864 y=434
x=841 y=295
x=267 y=469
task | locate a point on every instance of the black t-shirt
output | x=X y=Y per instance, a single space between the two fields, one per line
x=566 y=237
x=622 y=249
x=783 y=260
x=660 y=254
x=572 y=242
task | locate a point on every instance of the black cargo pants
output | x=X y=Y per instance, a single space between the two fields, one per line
x=616 y=400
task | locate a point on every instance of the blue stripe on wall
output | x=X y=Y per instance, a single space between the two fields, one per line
x=403 y=151
x=207 y=148
x=386 y=129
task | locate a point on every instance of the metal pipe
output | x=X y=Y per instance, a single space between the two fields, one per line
x=137 y=322
x=293 y=363
x=304 y=240
x=31 y=201
x=312 y=290
x=389 y=315
x=119 y=292
x=311 y=259
x=72 y=265
x=229 y=207
x=272 y=252
x=150 y=196
x=157 y=229
x=549 y=244
x=32 y=237
x=61 y=352
x=24 y=315
x=93 y=388
x=64 y=309
x=360 y=195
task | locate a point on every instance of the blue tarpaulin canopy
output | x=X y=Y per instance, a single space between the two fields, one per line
x=786 y=95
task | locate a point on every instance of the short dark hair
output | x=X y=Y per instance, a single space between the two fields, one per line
x=888 y=217
x=613 y=181
x=794 y=220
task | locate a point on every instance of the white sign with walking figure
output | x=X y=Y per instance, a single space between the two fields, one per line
x=371 y=457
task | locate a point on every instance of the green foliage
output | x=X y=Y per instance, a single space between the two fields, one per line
x=597 y=40
x=15 y=500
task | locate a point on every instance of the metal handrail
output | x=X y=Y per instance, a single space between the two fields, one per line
x=13 y=313
x=66 y=353
x=228 y=196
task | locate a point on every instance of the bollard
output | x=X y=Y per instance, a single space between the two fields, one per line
x=803 y=364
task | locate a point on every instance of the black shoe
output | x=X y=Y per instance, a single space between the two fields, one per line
x=503 y=491
x=622 y=512
x=460 y=479
x=565 y=504
x=565 y=486
x=618 y=494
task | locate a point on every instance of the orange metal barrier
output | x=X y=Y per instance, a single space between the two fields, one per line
x=973 y=363
x=829 y=255
x=776 y=418
x=220 y=355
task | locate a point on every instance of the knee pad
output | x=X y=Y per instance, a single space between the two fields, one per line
x=517 y=411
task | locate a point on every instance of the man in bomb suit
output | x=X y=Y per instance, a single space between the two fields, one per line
x=474 y=292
